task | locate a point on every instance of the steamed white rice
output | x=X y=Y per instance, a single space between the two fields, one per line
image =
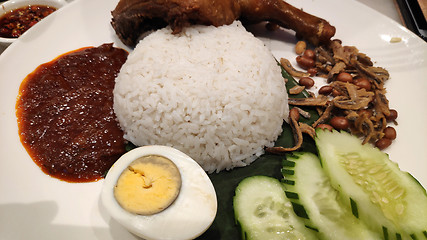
x=216 y=94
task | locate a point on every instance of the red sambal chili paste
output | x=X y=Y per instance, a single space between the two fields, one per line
x=65 y=114
x=14 y=23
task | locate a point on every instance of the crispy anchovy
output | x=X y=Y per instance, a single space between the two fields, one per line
x=286 y=64
x=296 y=130
x=318 y=101
x=324 y=116
x=307 y=129
x=303 y=113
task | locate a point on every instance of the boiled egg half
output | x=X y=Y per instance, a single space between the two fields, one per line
x=158 y=192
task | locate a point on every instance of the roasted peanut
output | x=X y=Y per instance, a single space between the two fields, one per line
x=325 y=90
x=392 y=116
x=312 y=71
x=305 y=62
x=390 y=133
x=340 y=123
x=306 y=82
x=363 y=83
x=300 y=47
x=344 y=77
x=383 y=143
x=310 y=54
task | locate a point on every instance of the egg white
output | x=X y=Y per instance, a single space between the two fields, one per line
x=187 y=217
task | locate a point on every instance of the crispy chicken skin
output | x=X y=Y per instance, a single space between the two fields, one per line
x=131 y=18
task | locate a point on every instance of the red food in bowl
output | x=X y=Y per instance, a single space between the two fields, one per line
x=17 y=21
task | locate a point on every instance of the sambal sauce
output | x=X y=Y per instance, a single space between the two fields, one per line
x=65 y=114
x=14 y=23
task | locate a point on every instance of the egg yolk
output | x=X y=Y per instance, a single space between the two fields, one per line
x=148 y=185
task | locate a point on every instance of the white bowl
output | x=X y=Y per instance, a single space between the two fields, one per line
x=15 y=4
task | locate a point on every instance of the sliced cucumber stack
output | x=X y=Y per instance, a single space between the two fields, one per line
x=387 y=199
x=311 y=190
x=264 y=212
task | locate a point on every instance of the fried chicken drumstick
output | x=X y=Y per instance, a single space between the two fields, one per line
x=131 y=18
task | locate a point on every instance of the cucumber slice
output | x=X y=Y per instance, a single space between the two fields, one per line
x=263 y=211
x=304 y=177
x=387 y=199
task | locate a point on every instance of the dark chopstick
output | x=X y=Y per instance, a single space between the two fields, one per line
x=413 y=16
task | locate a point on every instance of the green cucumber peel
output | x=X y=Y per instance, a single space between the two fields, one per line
x=317 y=202
x=388 y=200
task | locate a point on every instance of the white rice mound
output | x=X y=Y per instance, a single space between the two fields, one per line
x=217 y=94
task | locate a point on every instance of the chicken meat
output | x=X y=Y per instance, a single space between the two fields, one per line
x=132 y=18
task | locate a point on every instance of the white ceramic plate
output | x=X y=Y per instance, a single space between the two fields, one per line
x=36 y=206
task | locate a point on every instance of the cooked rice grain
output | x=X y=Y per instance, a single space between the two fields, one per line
x=216 y=94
